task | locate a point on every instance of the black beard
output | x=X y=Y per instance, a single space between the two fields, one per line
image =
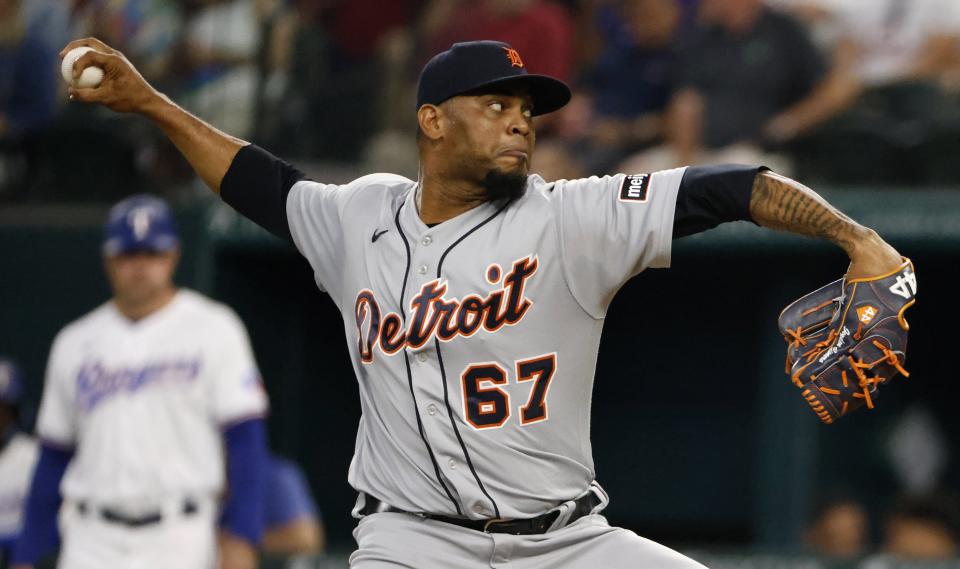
x=504 y=185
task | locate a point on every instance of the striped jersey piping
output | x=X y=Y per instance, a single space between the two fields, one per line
x=443 y=370
x=406 y=359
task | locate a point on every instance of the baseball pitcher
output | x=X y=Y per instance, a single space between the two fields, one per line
x=473 y=301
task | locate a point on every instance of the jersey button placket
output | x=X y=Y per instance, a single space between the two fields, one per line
x=426 y=373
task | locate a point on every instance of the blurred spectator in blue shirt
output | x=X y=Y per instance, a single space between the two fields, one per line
x=146 y=31
x=631 y=80
x=27 y=75
x=292 y=524
x=49 y=21
x=631 y=76
x=619 y=105
x=221 y=42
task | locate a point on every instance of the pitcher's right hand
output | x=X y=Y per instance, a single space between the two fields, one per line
x=123 y=89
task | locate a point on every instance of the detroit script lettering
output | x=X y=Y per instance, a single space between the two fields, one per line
x=433 y=315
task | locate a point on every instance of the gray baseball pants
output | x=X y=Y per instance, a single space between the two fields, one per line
x=398 y=540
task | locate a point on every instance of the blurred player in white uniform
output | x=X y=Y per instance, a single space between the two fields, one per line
x=18 y=454
x=152 y=401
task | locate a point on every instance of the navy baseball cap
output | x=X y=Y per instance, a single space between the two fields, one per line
x=140 y=223
x=474 y=65
x=11 y=382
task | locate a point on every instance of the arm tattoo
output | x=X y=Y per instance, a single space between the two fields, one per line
x=778 y=202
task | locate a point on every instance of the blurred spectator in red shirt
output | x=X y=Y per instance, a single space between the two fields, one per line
x=359 y=26
x=337 y=77
x=539 y=29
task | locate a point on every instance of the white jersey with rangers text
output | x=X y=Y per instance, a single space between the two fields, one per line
x=475 y=341
x=144 y=403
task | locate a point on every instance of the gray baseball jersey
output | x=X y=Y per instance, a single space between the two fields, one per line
x=475 y=341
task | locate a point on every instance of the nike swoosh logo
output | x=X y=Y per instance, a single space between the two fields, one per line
x=377 y=234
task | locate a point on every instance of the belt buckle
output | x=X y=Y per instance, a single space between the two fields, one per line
x=490 y=522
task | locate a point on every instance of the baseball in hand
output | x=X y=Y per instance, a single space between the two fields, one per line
x=91 y=76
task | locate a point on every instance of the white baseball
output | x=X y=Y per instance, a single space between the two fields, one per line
x=91 y=76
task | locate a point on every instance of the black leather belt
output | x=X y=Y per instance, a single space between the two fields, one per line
x=527 y=526
x=150 y=518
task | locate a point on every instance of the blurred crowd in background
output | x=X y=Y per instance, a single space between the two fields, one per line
x=829 y=91
x=838 y=92
x=922 y=527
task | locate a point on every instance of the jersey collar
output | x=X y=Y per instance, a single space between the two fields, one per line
x=413 y=225
x=150 y=319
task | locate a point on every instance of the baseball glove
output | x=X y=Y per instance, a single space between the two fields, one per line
x=847 y=338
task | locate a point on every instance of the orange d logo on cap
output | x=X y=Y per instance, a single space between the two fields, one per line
x=514 y=57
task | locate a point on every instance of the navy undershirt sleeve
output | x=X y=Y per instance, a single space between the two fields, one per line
x=711 y=195
x=246 y=445
x=39 y=536
x=257 y=184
